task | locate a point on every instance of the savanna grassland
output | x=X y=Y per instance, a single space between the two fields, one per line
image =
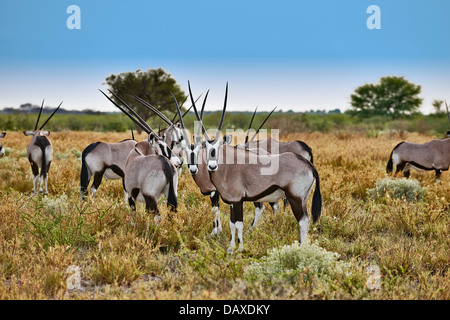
x=43 y=237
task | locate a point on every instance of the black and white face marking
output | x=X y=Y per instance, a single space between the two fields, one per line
x=2 y=150
x=192 y=157
x=192 y=153
x=212 y=151
x=177 y=136
x=164 y=150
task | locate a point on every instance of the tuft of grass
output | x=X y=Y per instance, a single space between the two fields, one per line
x=287 y=262
x=406 y=189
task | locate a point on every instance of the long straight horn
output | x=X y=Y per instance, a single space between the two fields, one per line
x=152 y=108
x=138 y=117
x=50 y=116
x=181 y=118
x=223 y=113
x=39 y=116
x=185 y=113
x=132 y=134
x=250 y=125
x=196 y=112
x=262 y=124
x=126 y=113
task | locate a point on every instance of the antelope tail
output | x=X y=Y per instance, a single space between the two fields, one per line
x=44 y=163
x=317 y=198
x=84 y=175
x=172 y=198
x=390 y=164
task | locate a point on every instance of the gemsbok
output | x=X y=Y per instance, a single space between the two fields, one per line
x=431 y=155
x=200 y=173
x=260 y=178
x=2 y=150
x=148 y=177
x=103 y=160
x=40 y=152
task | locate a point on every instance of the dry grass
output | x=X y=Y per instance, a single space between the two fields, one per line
x=41 y=237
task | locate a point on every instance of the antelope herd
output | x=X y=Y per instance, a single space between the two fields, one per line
x=259 y=171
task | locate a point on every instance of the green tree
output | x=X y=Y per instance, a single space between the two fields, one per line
x=437 y=104
x=391 y=96
x=153 y=85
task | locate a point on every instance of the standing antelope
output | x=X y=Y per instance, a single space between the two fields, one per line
x=293 y=176
x=148 y=177
x=431 y=155
x=40 y=151
x=2 y=150
x=101 y=159
x=200 y=172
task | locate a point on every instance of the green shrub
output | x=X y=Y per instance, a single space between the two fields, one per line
x=290 y=261
x=407 y=189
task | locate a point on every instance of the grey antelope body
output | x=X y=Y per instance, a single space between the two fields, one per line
x=148 y=177
x=432 y=155
x=2 y=150
x=240 y=175
x=40 y=152
x=101 y=159
x=294 y=178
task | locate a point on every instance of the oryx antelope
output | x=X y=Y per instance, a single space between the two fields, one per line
x=432 y=155
x=293 y=176
x=274 y=147
x=2 y=150
x=101 y=159
x=148 y=177
x=200 y=172
x=40 y=152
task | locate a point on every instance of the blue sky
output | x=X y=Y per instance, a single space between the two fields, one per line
x=297 y=55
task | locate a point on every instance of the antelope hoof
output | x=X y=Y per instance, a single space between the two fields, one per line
x=216 y=231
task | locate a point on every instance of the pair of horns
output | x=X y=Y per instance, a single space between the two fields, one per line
x=195 y=111
x=200 y=117
x=39 y=116
x=250 y=125
x=131 y=114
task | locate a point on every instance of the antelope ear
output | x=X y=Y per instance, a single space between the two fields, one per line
x=227 y=139
x=45 y=133
x=197 y=139
x=28 y=133
x=2 y=134
x=151 y=138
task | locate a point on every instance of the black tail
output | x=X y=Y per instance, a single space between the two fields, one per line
x=390 y=164
x=317 y=199
x=172 y=198
x=84 y=175
x=170 y=172
x=44 y=164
